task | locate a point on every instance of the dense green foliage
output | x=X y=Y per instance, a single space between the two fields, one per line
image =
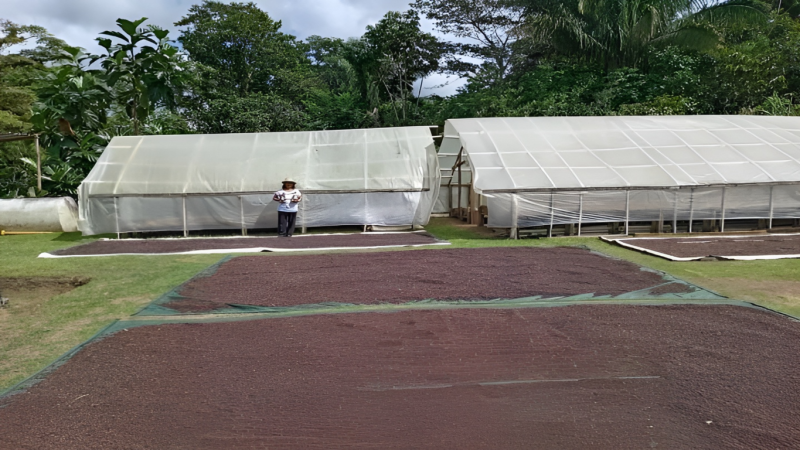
x=230 y=68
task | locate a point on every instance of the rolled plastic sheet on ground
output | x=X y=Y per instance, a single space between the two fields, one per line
x=171 y=183
x=39 y=214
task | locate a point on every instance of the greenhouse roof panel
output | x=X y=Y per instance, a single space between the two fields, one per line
x=627 y=152
x=377 y=159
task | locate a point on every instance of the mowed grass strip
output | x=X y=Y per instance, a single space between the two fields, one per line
x=39 y=326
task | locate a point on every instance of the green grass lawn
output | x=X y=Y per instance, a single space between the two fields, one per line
x=37 y=328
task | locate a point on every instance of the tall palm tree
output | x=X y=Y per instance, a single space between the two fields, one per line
x=618 y=33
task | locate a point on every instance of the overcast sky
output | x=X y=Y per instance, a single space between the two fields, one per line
x=79 y=21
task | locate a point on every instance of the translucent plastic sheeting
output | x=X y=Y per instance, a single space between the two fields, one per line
x=741 y=202
x=544 y=153
x=38 y=214
x=386 y=176
x=136 y=214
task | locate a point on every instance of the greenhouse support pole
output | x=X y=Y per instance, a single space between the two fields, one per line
x=459 y=185
x=38 y=165
x=514 y=233
x=722 y=206
x=116 y=215
x=580 y=213
x=675 y=215
x=185 y=227
x=303 y=228
x=241 y=216
x=552 y=214
x=691 y=209
x=771 y=204
x=627 y=210
x=366 y=181
x=450 y=195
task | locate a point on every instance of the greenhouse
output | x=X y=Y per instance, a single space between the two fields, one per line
x=382 y=176
x=662 y=173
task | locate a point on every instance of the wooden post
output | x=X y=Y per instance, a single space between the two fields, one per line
x=459 y=186
x=474 y=207
x=450 y=197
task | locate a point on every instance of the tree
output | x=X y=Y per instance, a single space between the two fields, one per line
x=620 y=33
x=487 y=24
x=17 y=71
x=391 y=56
x=341 y=105
x=245 y=63
x=143 y=67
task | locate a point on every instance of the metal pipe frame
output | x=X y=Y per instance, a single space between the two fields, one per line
x=241 y=216
x=580 y=213
x=691 y=209
x=185 y=227
x=552 y=214
x=627 y=210
x=232 y=194
x=514 y=234
x=675 y=215
x=631 y=188
x=722 y=206
x=771 y=204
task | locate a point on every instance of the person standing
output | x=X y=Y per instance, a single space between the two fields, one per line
x=288 y=198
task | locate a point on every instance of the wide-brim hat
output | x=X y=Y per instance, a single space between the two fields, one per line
x=289 y=180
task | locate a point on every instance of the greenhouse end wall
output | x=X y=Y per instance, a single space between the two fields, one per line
x=525 y=210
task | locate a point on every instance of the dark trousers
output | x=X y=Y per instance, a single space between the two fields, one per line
x=286 y=223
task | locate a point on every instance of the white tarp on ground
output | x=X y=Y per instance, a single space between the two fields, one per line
x=614 y=169
x=39 y=214
x=386 y=176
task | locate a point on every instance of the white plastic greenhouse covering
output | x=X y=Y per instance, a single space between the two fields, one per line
x=382 y=176
x=539 y=171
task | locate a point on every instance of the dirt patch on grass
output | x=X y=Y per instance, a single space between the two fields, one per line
x=30 y=292
x=602 y=377
x=53 y=284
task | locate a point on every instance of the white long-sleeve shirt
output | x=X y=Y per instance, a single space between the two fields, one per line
x=285 y=200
